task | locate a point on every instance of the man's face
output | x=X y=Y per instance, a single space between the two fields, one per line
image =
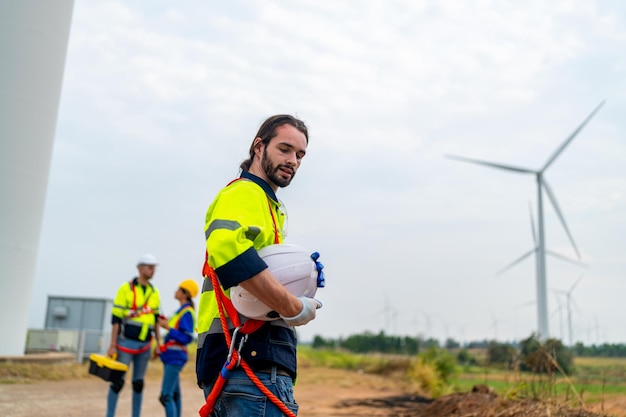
x=146 y=271
x=281 y=158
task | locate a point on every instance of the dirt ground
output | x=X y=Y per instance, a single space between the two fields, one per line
x=320 y=392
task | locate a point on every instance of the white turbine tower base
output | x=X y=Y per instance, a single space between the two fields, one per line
x=542 y=297
x=33 y=44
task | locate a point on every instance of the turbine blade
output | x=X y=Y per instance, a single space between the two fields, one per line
x=559 y=214
x=572 y=136
x=575 y=284
x=566 y=259
x=492 y=164
x=515 y=262
x=532 y=224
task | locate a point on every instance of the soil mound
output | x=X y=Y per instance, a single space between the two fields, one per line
x=479 y=402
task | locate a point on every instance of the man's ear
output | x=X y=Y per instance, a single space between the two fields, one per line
x=258 y=146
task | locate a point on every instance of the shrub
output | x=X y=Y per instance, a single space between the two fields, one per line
x=465 y=358
x=545 y=357
x=433 y=370
x=501 y=354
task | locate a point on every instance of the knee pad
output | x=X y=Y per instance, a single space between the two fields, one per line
x=116 y=386
x=138 y=385
x=164 y=399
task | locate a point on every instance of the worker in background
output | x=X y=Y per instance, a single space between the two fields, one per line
x=173 y=351
x=246 y=216
x=134 y=316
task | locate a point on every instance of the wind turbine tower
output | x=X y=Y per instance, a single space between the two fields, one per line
x=33 y=45
x=542 y=296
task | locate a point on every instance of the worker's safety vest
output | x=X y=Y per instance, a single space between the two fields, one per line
x=242 y=217
x=137 y=308
x=174 y=323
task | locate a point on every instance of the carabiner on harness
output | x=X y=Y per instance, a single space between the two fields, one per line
x=233 y=341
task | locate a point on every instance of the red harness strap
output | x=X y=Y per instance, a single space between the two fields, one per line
x=144 y=309
x=135 y=351
x=226 y=309
x=248 y=327
x=166 y=345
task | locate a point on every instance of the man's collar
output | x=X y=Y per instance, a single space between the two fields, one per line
x=261 y=183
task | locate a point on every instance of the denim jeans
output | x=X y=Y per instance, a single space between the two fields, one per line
x=240 y=397
x=170 y=390
x=139 y=365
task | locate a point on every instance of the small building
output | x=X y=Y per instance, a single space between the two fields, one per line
x=75 y=324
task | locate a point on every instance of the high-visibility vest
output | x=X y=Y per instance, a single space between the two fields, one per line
x=137 y=307
x=243 y=217
x=174 y=323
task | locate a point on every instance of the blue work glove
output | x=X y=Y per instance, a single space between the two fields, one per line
x=321 y=280
x=309 y=305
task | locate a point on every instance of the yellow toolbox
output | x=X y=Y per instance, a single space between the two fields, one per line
x=106 y=368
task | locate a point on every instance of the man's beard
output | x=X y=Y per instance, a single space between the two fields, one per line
x=273 y=172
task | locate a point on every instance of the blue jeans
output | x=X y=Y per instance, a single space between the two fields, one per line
x=241 y=398
x=139 y=365
x=170 y=390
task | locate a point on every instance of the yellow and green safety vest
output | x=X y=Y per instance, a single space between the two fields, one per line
x=137 y=308
x=244 y=217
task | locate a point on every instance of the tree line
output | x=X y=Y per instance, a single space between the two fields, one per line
x=529 y=354
x=368 y=342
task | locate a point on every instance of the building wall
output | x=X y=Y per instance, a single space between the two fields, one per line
x=91 y=315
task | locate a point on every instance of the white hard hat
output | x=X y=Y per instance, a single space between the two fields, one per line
x=292 y=266
x=147 y=259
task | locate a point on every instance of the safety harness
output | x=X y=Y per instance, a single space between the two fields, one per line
x=173 y=343
x=136 y=312
x=234 y=359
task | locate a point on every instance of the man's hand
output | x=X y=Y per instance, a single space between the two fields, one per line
x=112 y=352
x=163 y=322
x=309 y=305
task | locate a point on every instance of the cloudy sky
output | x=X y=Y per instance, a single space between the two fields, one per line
x=160 y=102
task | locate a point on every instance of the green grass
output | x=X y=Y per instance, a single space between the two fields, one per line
x=370 y=363
x=593 y=378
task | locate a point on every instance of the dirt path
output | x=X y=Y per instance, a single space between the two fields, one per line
x=320 y=392
x=317 y=391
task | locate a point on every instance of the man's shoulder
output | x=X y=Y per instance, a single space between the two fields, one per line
x=242 y=186
x=244 y=183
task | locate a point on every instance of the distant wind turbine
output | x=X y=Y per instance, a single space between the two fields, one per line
x=494 y=326
x=568 y=305
x=535 y=250
x=428 y=318
x=542 y=298
x=559 y=311
x=389 y=314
